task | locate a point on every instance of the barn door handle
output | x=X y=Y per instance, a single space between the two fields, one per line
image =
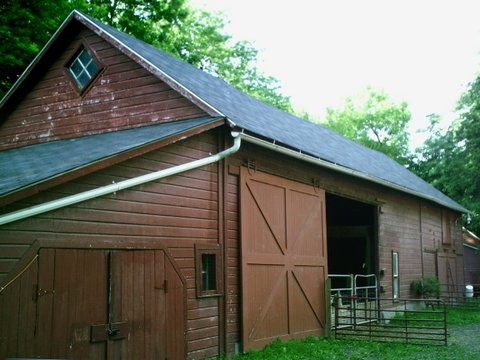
x=105 y=332
x=111 y=331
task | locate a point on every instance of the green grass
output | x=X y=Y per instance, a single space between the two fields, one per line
x=332 y=349
x=463 y=317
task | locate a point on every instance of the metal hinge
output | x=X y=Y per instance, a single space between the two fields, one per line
x=251 y=166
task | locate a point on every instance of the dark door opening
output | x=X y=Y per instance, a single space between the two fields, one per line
x=351 y=236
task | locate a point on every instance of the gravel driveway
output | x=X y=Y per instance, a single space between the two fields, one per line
x=466 y=336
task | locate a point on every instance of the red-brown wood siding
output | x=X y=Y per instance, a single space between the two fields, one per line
x=233 y=292
x=400 y=232
x=173 y=214
x=125 y=95
x=399 y=222
x=431 y=236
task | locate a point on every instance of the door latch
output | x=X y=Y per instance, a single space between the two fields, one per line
x=110 y=331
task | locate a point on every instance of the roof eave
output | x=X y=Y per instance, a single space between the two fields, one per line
x=342 y=169
x=71 y=174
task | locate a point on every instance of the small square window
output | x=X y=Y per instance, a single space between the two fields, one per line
x=208 y=267
x=83 y=69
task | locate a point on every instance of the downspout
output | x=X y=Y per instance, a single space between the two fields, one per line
x=109 y=189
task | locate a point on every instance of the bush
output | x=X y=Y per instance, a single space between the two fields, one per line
x=426 y=287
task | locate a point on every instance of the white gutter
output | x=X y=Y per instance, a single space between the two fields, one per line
x=109 y=189
x=339 y=168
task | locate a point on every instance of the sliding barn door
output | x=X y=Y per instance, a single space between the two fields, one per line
x=284 y=259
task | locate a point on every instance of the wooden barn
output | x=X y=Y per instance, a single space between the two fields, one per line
x=148 y=210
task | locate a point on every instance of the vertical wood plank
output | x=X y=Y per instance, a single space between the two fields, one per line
x=149 y=327
x=26 y=326
x=159 y=306
x=10 y=320
x=175 y=314
x=138 y=351
x=44 y=327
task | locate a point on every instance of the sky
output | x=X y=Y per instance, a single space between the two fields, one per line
x=424 y=52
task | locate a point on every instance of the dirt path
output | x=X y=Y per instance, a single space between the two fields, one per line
x=466 y=336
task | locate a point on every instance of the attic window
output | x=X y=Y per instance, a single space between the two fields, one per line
x=83 y=69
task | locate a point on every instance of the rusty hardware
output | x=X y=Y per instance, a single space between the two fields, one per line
x=111 y=331
x=251 y=166
x=163 y=287
x=316 y=184
x=39 y=292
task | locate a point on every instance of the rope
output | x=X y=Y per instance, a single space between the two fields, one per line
x=19 y=274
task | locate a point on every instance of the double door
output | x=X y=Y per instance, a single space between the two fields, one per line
x=94 y=304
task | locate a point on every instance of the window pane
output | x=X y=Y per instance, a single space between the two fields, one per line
x=83 y=79
x=76 y=68
x=395 y=288
x=92 y=68
x=209 y=281
x=83 y=69
x=395 y=264
x=84 y=57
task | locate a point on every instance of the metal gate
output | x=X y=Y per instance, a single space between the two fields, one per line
x=352 y=297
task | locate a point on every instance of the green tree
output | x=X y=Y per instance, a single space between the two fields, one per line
x=195 y=36
x=206 y=46
x=450 y=160
x=25 y=27
x=373 y=120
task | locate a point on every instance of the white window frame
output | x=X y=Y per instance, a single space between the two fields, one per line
x=395 y=276
x=84 y=69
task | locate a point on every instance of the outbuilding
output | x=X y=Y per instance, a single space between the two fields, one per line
x=151 y=210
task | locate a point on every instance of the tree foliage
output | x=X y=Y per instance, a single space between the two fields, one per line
x=450 y=160
x=373 y=120
x=25 y=27
x=195 y=36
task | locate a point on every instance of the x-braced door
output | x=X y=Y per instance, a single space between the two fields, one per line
x=284 y=259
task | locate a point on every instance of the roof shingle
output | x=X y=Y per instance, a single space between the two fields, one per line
x=266 y=122
x=28 y=165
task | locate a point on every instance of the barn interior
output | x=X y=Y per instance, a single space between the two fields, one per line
x=351 y=236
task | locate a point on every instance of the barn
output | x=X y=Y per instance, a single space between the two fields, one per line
x=149 y=210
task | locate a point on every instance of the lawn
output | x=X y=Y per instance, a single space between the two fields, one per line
x=463 y=325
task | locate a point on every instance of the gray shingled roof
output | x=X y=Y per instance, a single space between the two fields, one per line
x=25 y=166
x=267 y=122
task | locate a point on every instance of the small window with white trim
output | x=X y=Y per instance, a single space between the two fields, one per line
x=395 y=276
x=83 y=68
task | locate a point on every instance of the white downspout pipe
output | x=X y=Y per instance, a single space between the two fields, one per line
x=109 y=189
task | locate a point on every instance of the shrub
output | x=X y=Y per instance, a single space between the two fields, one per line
x=426 y=287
